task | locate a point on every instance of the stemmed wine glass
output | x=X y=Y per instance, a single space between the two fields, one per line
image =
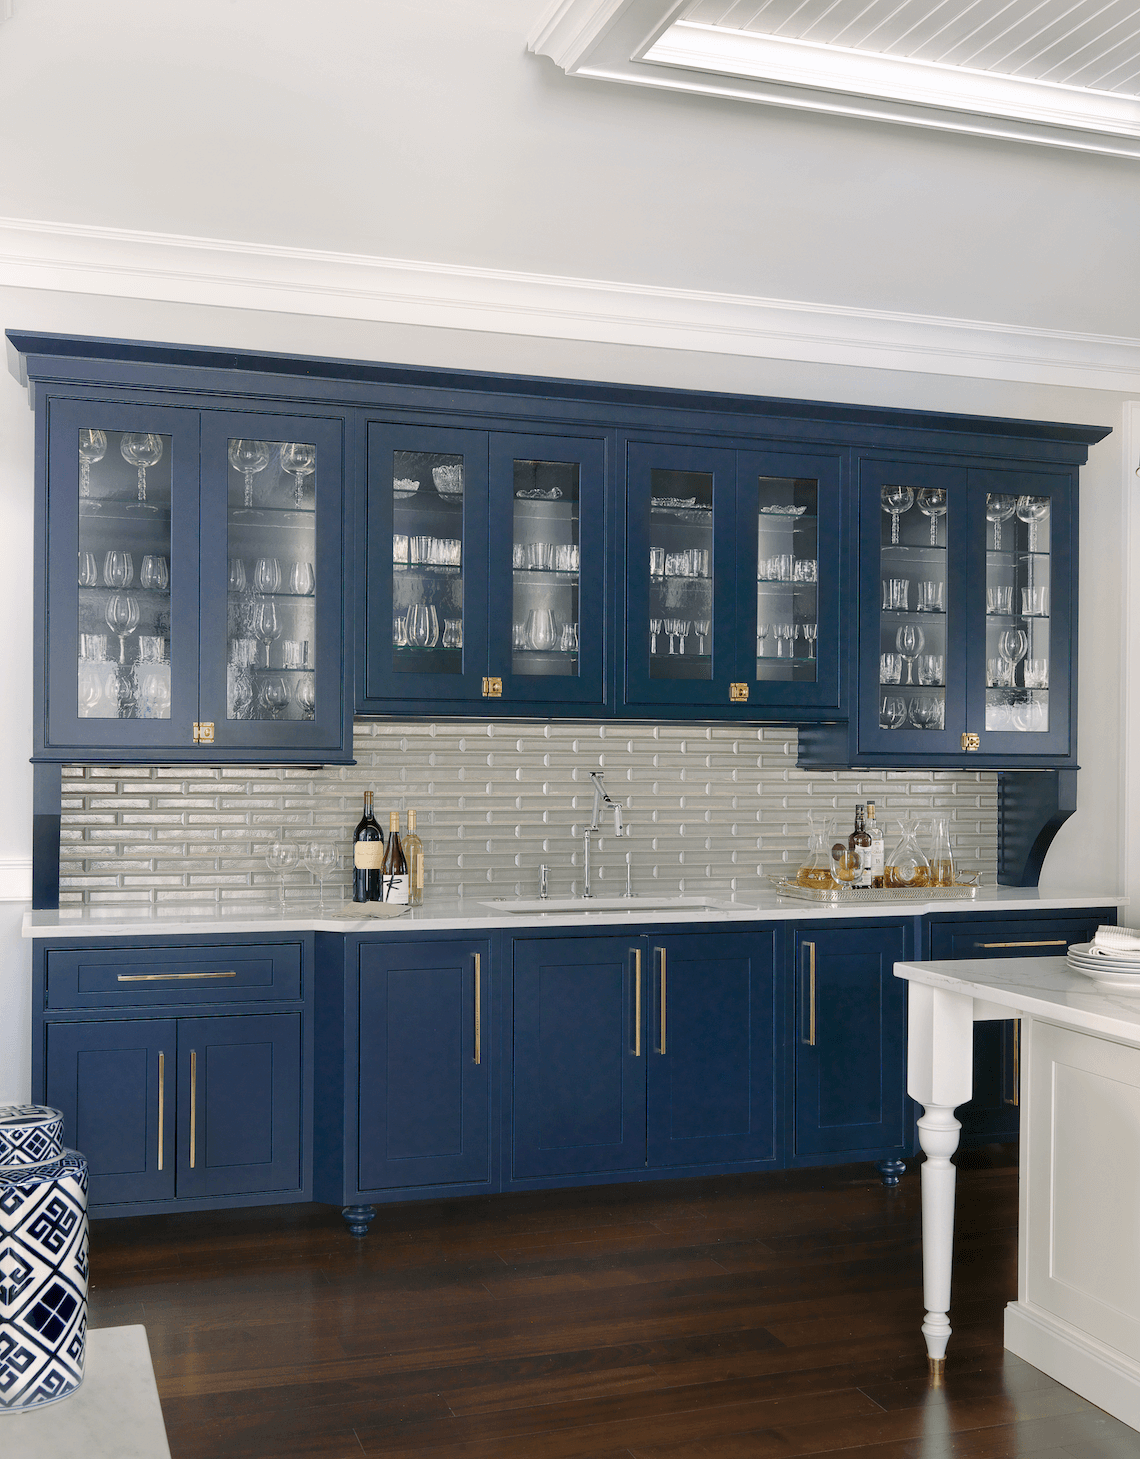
x=299 y=459
x=684 y=628
x=320 y=857
x=932 y=501
x=92 y=448
x=1031 y=509
x=761 y=638
x=142 y=451
x=307 y=696
x=702 y=625
x=266 y=628
x=654 y=630
x=1013 y=645
x=249 y=457
x=896 y=500
x=281 y=856
x=999 y=509
x=122 y=616
x=909 y=641
x=274 y=697
x=811 y=633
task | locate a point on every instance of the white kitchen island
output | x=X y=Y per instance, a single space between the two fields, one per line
x=1077 y=1314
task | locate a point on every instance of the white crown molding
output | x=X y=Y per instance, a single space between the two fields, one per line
x=16 y=879
x=172 y=269
x=648 y=43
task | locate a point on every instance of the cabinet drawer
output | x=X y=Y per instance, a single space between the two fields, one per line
x=1010 y=937
x=102 y=977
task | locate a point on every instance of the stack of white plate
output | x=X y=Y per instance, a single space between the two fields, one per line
x=1112 y=970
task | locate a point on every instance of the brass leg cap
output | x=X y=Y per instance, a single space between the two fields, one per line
x=937 y=1371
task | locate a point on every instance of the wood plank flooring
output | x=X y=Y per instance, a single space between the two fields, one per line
x=751 y=1317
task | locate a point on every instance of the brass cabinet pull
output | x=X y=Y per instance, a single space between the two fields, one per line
x=168 y=977
x=971 y=742
x=161 y=1101
x=204 y=732
x=661 y=994
x=193 y=1100
x=738 y=693
x=493 y=688
x=637 y=1002
x=478 y=1015
x=810 y=946
x=1048 y=942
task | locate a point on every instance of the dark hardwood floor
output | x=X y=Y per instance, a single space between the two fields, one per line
x=739 y=1318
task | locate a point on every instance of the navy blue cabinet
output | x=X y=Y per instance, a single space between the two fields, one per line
x=425 y=1050
x=850 y=1042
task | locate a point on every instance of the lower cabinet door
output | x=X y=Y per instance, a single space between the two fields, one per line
x=423 y=1116
x=711 y=1059
x=850 y=1085
x=115 y=1084
x=579 y=1056
x=239 y=1104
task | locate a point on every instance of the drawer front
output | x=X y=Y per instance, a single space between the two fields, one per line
x=120 y=977
x=1012 y=937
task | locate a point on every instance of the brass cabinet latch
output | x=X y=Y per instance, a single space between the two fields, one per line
x=971 y=742
x=738 y=693
x=204 y=732
x=492 y=688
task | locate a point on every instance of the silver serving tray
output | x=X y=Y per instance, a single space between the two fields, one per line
x=845 y=896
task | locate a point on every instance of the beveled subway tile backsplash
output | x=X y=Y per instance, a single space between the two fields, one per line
x=714 y=809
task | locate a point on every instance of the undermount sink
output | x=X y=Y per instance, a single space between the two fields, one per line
x=607 y=904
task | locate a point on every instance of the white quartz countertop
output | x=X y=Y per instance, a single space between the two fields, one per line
x=473 y=915
x=1043 y=987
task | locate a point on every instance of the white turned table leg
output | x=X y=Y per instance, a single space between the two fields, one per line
x=940 y=1076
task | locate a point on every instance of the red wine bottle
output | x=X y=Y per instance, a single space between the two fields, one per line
x=367 y=856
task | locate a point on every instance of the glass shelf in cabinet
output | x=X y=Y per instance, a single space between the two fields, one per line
x=105 y=509
x=269 y=516
x=428 y=569
x=539 y=575
x=913 y=613
x=908 y=552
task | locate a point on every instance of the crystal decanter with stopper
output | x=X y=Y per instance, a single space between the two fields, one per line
x=907 y=866
x=816 y=870
x=941 y=857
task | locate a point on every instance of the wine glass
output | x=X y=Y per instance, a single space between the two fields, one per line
x=154 y=573
x=896 y=500
x=1031 y=509
x=88 y=570
x=893 y=712
x=92 y=448
x=281 y=856
x=249 y=457
x=761 y=638
x=932 y=502
x=302 y=579
x=811 y=633
x=320 y=858
x=118 y=569
x=684 y=628
x=654 y=630
x=122 y=616
x=1013 y=645
x=265 y=626
x=306 y=696
x=702 y=625
x=999 y=509
x=267 y=575
x=142 y=451
x=274 y=697
x=299 y=459
x=909 y=641
x=419 y=626
x=237 y=575
x=540 y=629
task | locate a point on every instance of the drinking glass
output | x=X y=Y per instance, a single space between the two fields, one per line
x=671 y=631
x=266 y=628
x=518 y=555
x=92 y=448
x=998 y=510
x=93 y=646
x=519 y=631
x=152 y=684
x=896 y=500
x=1031 y=510
x=896 y=594
x=785 y=567
x=433 y=626
x=657 y=562
x=88 y=570
x=280 y=857
x=299 y=459
x=1031 y=715
x=302 y=579
x=1013 y=644
x=122 y=616
x=448 y=481
x=999 y=601
x=400 y=549
x=702 y=626
x=118 y=569
x=806 y=570
x=785 y=633
x=654 y=630
x=152 y=650
x=909 y=641
x=569 y=641
x=999 y=673
x=274 y=697
x=400 y=631
x=930 y=668
x=684 y=628
x=932 y=501
x=930 y=597
x=762 y=630
x=1036 y=673
x=924 y=711
x=893 y=712
x=295 y=653
x=540 y=629
x=539 y=556
x=419 y=626
x=453 y=633
x=239 y=691
x=267 y=575
x=306 y=696
x=237 y=575
x=1034 y=602
x=890 y=668
x=154 y=573
x=320 y=858
x=811 y=633
x=249 y=457
x=141 y=451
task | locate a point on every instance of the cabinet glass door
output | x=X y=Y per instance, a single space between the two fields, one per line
x=547 y=597
x=1026 y=529
x=427 y=563
x=789 y=507
x=913 y=524
x=681 y=575
x=123 y=491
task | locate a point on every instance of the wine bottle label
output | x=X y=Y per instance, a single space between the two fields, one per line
x=396 y=889
x=419 y=873
x=367 y=855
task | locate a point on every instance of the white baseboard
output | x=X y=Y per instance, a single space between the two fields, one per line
x=1097 y=1372
x=16 y=879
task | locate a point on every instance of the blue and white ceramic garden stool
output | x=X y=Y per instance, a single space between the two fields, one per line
x=43 y=1259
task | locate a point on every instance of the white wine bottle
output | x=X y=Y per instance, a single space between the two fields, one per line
x=394 y=871
x=877 y=851
x=414 y=856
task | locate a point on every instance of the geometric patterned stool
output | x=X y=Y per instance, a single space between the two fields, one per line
x=43 y=1259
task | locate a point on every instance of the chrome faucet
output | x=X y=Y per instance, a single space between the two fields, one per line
x=600 y=799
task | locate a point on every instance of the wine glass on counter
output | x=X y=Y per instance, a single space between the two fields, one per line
x=249 y=457
x=299 y=459
x=142 y=451
x=321 y=858
x=280 y=857
x=92 y=448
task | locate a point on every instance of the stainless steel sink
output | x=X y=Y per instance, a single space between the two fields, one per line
x=608 y=904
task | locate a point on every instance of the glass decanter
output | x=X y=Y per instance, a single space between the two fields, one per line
x=941 y=857
x=816 y=870
x=906 y=865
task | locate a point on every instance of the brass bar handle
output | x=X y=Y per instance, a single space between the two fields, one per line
x=161 y=1101
x=168 y=977
x=478 y=1013
x=637 y=1002
x=661 y=1006
x=810 y=946
x=193 y=1100
x=1047 y=942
